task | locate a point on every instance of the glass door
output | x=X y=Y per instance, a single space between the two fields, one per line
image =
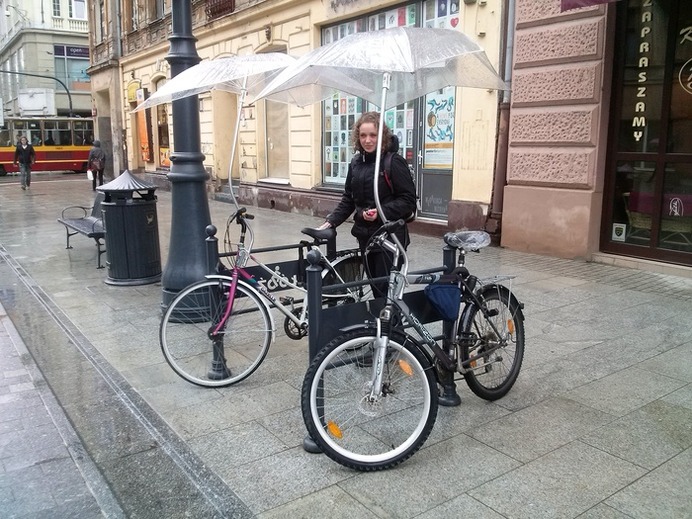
x=648 y=196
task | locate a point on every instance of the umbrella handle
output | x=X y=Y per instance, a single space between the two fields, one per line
x=400 y=251
x=241 y=101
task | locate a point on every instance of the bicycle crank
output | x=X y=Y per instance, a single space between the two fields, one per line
x=293 y=330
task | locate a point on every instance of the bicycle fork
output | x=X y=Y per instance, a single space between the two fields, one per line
x=380 y=353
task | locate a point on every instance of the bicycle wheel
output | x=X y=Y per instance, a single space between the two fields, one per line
x=351 y=429
x=234 y=352
x=345 y=269
x=493 y=374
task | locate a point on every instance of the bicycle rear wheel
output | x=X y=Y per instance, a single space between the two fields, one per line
x=215 y=359
x=350 y=428
x=493 y=374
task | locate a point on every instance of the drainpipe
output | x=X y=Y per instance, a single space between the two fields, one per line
x=500 y=179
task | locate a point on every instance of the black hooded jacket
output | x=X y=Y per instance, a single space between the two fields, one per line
x=397 y=202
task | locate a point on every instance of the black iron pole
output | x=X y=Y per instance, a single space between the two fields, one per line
x=67 y=90
x=187 y=255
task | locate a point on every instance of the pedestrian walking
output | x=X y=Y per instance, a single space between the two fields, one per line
x=97 y=163
x=25 y=156
x=397 y=195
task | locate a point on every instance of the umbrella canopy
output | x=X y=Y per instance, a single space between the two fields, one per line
x=232 y=74
x=387 y=68
x=415 y=62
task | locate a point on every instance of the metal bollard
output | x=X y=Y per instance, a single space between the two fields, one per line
x=313 y=274
x=449 y=396
x=212 y=244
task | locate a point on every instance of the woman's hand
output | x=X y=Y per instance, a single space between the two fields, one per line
x=325 y=225
x=370 y=215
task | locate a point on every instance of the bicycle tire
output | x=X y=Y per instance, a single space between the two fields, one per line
x=346 y=269
x=492 y=377
x=372 y=437
x=241 y=345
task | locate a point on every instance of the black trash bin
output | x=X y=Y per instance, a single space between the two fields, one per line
x=132 y=231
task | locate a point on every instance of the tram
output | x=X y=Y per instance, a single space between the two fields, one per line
x=61 y=143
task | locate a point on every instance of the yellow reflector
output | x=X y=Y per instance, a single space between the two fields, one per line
x=406 y=367
x=510 y=326
x=334 y=430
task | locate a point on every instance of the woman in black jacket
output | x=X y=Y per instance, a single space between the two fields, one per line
x=397 y=194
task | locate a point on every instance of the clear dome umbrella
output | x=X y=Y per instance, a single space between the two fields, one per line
x=243 y=75
x=387 y=68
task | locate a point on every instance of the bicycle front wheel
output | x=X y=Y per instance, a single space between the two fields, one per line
x=208 y=354
x=356 y=429
x=344 y=270
x=496 y=341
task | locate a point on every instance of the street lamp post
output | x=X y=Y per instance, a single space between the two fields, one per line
x=67 y=91
x=187 y=260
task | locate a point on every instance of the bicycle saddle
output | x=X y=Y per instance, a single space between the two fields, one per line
x=467 y=240
x=319 y=234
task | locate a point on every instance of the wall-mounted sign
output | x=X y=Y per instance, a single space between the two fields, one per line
x=132 y=88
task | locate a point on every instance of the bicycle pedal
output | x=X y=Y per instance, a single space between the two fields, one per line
x=286 y=300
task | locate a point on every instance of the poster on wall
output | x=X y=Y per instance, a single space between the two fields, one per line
x=438 y=144
x=144 y=128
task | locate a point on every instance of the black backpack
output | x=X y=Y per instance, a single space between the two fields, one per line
x=388 y=179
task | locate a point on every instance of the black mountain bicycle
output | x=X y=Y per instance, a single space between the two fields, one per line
x=370 y=396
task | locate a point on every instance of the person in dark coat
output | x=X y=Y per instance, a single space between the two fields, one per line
x=358 y=199
x=25 y=156
x=97 y=163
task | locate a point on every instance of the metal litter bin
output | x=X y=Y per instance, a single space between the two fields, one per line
x=132 y=231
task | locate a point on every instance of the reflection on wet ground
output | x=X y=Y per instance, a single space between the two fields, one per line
x=604 y=369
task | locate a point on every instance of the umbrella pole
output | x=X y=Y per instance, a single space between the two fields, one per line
x=386 y=78
x=241 y=101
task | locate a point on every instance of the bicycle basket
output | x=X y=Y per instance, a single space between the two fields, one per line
x=445 y=298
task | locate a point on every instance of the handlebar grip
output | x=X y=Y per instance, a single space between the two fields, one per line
x=242 y=213
x=394 y=225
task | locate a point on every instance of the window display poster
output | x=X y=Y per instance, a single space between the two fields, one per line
x=438 y=149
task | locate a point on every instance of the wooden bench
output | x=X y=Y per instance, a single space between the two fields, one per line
x=78 y=220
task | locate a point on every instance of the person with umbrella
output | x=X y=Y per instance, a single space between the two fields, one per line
x=397 y=201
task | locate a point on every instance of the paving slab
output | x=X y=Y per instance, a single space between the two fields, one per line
x=597 y=425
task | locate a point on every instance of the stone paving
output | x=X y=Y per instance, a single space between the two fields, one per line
x=598 y=425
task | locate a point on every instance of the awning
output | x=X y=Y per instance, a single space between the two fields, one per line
x=566 y=5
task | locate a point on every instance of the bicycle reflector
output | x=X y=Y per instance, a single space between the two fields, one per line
x=334 y=430
x=406 y=367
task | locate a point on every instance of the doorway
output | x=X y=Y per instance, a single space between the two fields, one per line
x=648 y=189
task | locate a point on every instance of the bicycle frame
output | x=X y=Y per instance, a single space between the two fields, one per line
x=243 y=256
x=471 y=288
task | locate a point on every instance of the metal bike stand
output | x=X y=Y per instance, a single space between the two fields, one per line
x=313 y=274
x=449 y=396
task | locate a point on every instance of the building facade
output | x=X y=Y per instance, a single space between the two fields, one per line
x=574 y=162
x=599 y=155
x=49 y=40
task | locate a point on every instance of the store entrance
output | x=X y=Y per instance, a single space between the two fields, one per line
x=648 y=191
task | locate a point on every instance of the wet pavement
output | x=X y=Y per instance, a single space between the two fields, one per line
x=93 y=422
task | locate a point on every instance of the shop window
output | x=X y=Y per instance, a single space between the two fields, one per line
x=341 y=112
x=162 y=131
x=648 y=207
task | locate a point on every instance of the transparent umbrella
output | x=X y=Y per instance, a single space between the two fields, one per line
x=237 y=74
x=242 y=75
x=387 y=68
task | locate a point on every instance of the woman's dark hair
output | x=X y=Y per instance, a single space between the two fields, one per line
x=374 y=118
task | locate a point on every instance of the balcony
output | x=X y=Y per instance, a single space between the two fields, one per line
x=71 y=24
x=218 y=8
